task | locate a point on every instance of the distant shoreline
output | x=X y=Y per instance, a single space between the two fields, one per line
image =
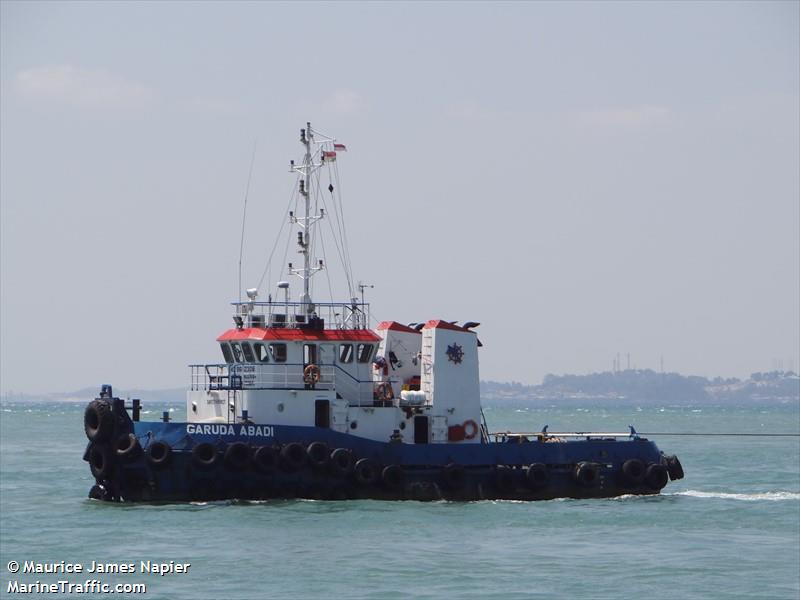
x=637 y=387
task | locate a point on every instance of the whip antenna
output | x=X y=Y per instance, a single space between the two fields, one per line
x=244 y=217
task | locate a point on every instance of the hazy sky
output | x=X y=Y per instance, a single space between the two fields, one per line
x=581 y=178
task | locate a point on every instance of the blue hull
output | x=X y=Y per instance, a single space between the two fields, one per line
x=158 y=461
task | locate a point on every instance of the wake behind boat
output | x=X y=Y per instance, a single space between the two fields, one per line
x=310 y=402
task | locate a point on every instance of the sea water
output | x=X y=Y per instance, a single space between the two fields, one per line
x=730 y=529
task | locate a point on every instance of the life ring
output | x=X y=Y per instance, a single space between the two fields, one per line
x=471 y=429
x=384 y=391
x=98 y=421
x=311 y=374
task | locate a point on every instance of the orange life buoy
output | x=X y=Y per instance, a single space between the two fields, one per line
x=311 y=374
x=470 y=429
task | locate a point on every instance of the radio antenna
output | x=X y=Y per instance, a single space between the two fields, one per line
x=244 y=216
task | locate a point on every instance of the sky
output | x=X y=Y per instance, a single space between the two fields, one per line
x=583 y=179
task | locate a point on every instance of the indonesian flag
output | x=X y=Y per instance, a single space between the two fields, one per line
x=340 y=147
x=328 y=155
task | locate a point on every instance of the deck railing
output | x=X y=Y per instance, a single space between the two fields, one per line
x=283 y=376
x=295 y=315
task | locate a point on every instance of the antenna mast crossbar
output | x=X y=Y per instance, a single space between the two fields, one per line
x=307 y=221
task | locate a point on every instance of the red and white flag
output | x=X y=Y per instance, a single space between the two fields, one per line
x=328 y=155
x=340 y=147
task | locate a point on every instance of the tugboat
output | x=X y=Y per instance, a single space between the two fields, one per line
x=310 y=402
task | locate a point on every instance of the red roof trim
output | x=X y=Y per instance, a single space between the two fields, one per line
x=395 y=326
x=439 y=324
x=313 y=335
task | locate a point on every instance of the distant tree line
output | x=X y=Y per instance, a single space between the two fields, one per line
x=647 y=385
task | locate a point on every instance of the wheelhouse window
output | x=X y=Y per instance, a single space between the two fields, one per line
x=237 y=352
x=226 y=352
x=345 y=353
x=364 y=352
x=261 y=353
x=278 y=352
x=248 y=352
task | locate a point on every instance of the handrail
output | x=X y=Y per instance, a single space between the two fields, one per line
x=301 y=304
x=255 y=376
x=343 y=315
x=257 y=364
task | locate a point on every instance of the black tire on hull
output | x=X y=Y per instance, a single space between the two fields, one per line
x=158 y=454
x=237 y=456
x=656 y=476
x=393 y=477
x=266 y=459
x=633 y=471
x=100 y=461
x=587 y=474
x=204 y=456
x=98 y=421
x=366 y=471
x=504 y=479
x=537 y=476
x=318 y=455
x=454 y=477
x=674 y=467
x=127 y=447
x=342 y=462
x=424 y=491
x=293 y=457
x=98 y=492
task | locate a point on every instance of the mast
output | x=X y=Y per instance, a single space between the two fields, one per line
x=307 y=221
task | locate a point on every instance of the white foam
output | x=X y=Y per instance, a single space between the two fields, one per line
x=754 y=497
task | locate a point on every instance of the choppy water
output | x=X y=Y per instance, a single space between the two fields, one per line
x=730 y=529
